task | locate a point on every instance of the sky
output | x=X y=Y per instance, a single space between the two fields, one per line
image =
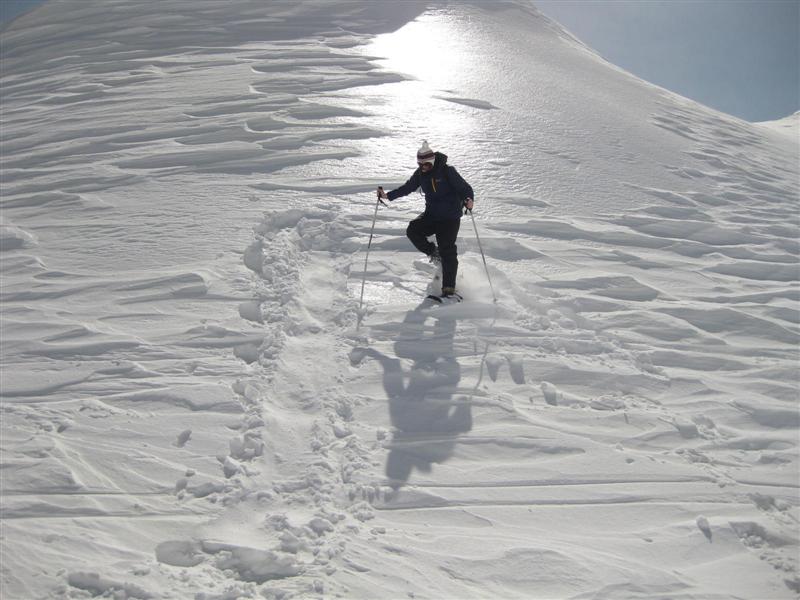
x=10 y=9
x=738 y=56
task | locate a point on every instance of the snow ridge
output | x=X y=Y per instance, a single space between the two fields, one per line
x=194 y=407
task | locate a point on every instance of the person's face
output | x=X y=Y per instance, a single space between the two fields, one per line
x=425 y=167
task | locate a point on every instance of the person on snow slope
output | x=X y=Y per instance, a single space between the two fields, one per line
x=446 y=194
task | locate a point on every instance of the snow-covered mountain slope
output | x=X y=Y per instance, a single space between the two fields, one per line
x=194 y=406
x=789 y=126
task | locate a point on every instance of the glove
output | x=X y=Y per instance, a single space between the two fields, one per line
x=468 y=203
x=381 y=194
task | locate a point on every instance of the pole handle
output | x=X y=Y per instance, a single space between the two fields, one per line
x=380 y=189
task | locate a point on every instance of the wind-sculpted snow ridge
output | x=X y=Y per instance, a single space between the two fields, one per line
x=130 y=331
x=194 y=405
x=471 y=420
x=789 y=126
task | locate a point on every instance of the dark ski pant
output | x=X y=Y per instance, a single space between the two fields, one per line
x=446 y=232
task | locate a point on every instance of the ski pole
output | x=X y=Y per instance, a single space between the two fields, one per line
x=483 y=256
x=369 y=244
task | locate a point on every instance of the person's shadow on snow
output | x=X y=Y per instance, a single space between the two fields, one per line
x=426 y=416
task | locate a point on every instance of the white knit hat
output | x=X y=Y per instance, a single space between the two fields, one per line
x=425 y=154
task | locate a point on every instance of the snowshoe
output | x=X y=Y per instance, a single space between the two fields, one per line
x=448 y=296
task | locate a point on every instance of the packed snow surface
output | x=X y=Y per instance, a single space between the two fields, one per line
x=193 y=405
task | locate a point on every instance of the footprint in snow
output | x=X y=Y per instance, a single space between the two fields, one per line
x=702 y=524
x=183 y=437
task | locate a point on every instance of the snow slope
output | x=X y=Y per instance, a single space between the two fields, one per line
x=788 y=125
x=194 y=407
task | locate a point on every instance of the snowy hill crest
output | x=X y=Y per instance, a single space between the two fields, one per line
x=192 y=405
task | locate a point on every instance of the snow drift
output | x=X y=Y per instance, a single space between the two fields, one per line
x=193 y=406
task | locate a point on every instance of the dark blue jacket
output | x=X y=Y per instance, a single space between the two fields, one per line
x=445 y=190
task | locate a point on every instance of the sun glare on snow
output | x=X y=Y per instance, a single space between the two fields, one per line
x=434 y=53
x=426 y=49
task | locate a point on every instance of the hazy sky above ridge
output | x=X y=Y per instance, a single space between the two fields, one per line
x=739 y=56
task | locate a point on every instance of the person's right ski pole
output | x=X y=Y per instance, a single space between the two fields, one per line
x=483 y=256
x=366 y=258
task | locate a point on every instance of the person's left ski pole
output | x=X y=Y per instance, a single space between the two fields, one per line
x=366 y=258
x=483 y=256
